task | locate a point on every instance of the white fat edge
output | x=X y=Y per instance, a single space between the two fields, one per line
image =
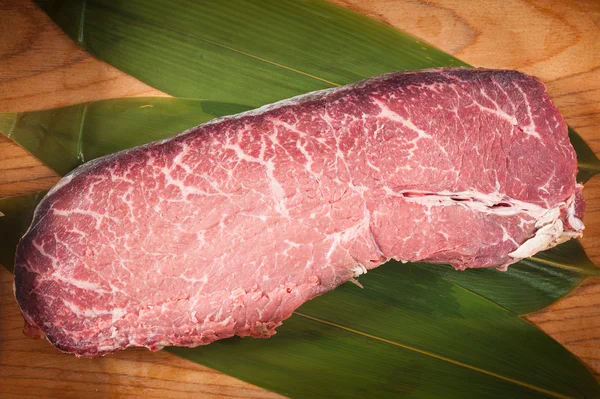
x=62 y=182
x=546 y=237
x=566 y=236
x=549 y=217
x=36 y=213
x=573 y=220
x=551 y=231
x=358 y=270
x=479 y=201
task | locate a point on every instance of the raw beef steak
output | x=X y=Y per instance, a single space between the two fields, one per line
x=230 y=226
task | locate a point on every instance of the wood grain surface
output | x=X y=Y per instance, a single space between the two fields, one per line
x=558 y=41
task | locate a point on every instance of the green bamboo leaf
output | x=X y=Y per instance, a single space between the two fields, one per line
x=64 y=137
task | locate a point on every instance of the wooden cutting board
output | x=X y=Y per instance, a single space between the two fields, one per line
x=558 y=41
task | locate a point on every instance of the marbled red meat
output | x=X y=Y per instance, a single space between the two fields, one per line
x=230 y=226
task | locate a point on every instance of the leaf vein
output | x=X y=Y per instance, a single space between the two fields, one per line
x=433 y=355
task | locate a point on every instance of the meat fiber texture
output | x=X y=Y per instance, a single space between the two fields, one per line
x=230 y=226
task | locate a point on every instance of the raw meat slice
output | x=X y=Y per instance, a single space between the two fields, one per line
x=230 y=226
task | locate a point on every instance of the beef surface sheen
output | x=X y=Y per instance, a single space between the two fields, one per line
x=228 y=227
